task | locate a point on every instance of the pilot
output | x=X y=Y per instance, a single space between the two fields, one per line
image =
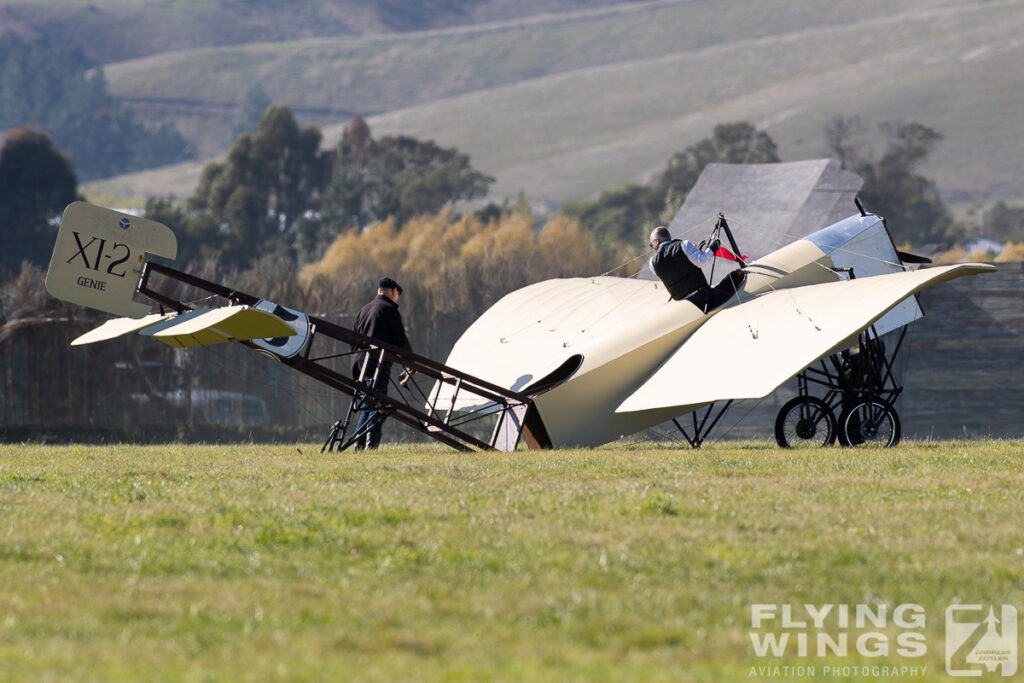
x=381 y=320
x=678 y=264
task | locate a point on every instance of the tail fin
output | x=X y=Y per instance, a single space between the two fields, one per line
x=98 y=255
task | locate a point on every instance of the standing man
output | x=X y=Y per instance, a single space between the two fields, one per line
x=678 y=264
x=381 y=320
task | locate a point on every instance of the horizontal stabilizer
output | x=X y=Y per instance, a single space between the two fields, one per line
x=214 y=326
x=749 y=350
x=119 y=327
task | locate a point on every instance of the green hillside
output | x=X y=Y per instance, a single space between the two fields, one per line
x=565 y=106
x=115 y=30
x=385 y=72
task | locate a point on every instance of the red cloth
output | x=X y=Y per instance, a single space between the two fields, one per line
x=729 y=256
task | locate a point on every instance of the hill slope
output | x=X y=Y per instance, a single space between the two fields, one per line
x=565 y=106
x=115 y=30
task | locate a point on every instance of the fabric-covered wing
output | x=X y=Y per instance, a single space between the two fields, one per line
x=749 y=350
x=119 y=327
x=533 y=331
x=231 y=323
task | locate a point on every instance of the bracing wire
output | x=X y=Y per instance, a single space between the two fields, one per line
x=688 y=230
x=298 y=393
x=194 y=302
x=622 y=265
x=719 y=434
x=779 y=240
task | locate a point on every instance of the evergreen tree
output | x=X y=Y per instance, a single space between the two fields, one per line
x=398 y=176
x=892 y=188
x=36 y=183
x=1003 y=223
x=51 y=87
x=621 y=215
x=250 y=111
x=730 y=143
x=618 y=215
x=268 y=181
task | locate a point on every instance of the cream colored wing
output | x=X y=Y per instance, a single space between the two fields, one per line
x=119 y=327
x=231 y=323
x=749 y=350
x=583 y=322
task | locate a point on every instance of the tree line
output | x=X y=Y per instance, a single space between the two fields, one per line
x=54 y=88
x=893 y=185
x=279 y=194
x=282 y=200
x=314 y=227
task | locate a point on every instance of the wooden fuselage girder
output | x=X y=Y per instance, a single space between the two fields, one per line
x=428 y=421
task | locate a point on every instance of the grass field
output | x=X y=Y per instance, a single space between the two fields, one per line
x=633 y=562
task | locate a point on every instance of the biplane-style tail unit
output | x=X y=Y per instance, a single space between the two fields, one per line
x=566 y=362
x=100 y=260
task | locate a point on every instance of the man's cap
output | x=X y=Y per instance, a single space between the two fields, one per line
x=388 y=283
x=660 y=233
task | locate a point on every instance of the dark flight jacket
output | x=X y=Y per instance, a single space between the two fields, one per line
x=381 y=320
x=680 y=276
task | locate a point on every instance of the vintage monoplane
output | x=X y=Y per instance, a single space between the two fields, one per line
x=566 y=362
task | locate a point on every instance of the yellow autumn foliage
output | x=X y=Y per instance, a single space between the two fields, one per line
x=978 y=257
x=954 y=255
x=1013 y=252
x=452 y=268
x=564 y=250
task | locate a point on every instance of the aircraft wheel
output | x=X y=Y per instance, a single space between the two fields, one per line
x=805 y=421
x=872 y=422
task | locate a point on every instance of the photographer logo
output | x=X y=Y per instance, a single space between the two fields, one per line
x=978 y=642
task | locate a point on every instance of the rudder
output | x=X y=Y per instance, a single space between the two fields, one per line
x=98 y=255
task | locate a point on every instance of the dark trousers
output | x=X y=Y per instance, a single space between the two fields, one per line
x=709 y=298
x=706 y=298
x=370 y=419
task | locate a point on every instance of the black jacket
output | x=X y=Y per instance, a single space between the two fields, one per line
x=680 y=276
x=381 y=320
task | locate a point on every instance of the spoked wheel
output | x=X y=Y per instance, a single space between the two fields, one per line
x=805 y=421
x=870 y=423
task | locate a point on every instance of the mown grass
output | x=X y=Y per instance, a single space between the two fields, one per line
x=634 y=562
